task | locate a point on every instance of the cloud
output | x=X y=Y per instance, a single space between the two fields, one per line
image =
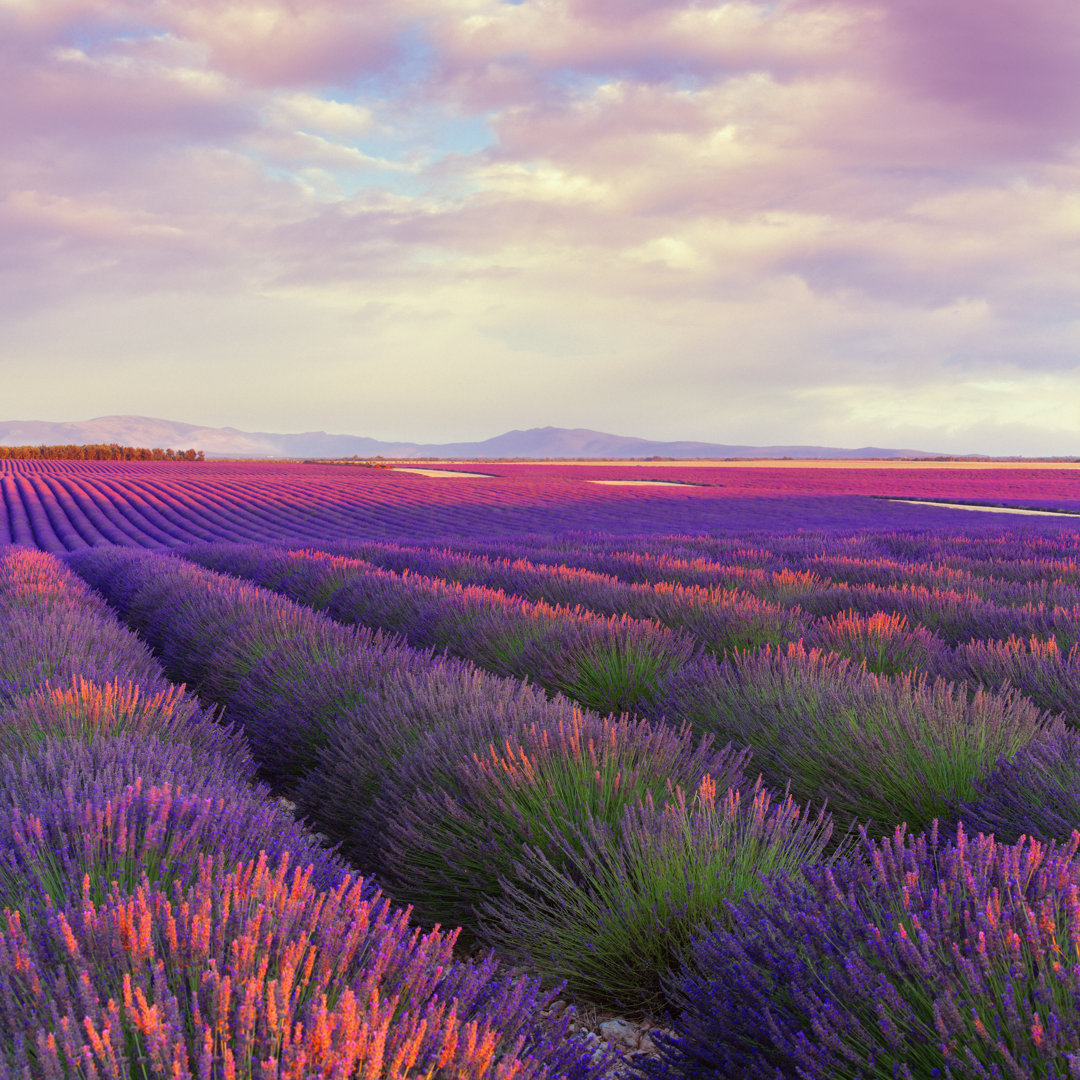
x=1008 y=68
x=644 y=41
x=804 y=221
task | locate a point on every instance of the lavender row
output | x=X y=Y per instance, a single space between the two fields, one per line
x=919 y=1031
x=886 y=749
x=1005 y=550
x=717 y=600
x=164 y=916
x=722 y=620
x=611 y=664
x=56 y=631
x=1039 y=668
x=878 y=748
x=1012 y=568
x=477 y=798
x=549 y=644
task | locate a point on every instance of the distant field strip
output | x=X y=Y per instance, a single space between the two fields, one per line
x=62 y=506
x=987 y=509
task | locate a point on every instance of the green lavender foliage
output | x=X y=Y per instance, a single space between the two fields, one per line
x=888 y=750
x=612 y=907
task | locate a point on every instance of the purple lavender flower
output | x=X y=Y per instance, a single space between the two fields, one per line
x=920 y=958
x=121 y=810
x=1035 y=793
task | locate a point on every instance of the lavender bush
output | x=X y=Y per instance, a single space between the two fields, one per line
x=728 y=621
x=76 y=824
x=55 y=647
x=878 y=748
x=84 y=709
x=295 y=697
x=922 y=958
x=252 y=972
x=611 y=908
x=531 y=790
x=58 y=764
x=1035 y=793
x=611 y=665
x=1041 y=669
x=886 y=643
x=410 y=733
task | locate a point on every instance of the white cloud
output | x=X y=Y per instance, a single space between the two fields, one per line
x=303 y=111
x=715 y=222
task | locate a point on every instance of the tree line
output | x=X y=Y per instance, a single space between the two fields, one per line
x=97 y=452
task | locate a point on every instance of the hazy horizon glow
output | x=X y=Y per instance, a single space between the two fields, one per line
x=832 y=222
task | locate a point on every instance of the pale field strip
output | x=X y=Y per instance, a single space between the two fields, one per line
x=439 y=472
x=645 y=483
x=785 y=463
x=985 y=509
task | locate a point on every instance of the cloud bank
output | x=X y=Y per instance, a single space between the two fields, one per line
x=814 y=221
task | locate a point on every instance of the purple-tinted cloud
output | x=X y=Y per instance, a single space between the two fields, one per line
x=737 y=216
x=1004 y=64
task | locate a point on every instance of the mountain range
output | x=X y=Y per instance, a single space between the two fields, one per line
x=535 y=443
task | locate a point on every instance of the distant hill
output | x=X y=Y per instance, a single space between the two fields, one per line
x=546 y=442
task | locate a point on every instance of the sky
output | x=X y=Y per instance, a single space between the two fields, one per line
x=832 y=222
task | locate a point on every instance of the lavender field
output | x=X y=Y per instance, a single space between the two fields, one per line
x=784 y=767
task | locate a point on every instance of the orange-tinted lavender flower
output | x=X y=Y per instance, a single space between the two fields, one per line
x=271 y=978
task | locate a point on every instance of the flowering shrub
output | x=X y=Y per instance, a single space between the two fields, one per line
x=253 y=972
x=410 y=733
x=1042 y=670
x=207 y=630
x=1034 y=793
x=922 y=958
x=85 y=709
x=35 y=581
x=144 y=931
x=887 y=749
x=609 y=665
x=295 y=696
x=728 y=621
x=76 y=818
x=530 y=790
x=611 y=908
x=885 y=643
x=55 y=647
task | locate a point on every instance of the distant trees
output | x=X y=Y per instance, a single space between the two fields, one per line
x=97 y=452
